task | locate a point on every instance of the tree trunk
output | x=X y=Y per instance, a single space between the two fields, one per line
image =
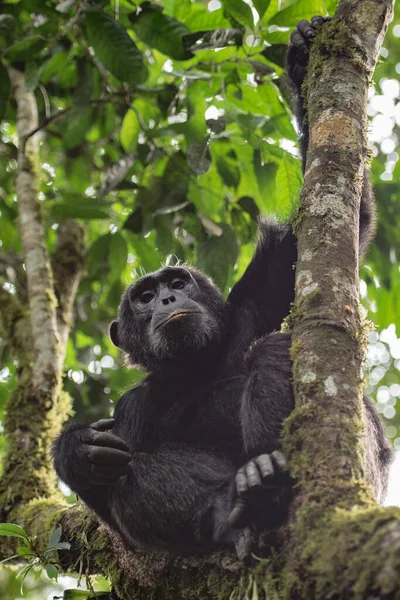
x=339 y=543
x=36 y=329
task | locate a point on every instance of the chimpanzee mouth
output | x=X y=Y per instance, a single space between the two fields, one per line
x=176 y=315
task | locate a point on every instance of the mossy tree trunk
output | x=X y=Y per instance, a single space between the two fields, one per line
x=339 y=543
x=36 y=325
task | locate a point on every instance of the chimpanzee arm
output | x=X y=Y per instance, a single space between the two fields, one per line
x=267 y=287
x=90 y=460
x=173 y=496
x=266 y=290
x=267 y=398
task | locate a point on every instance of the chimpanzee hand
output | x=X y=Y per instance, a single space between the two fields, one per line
x=300 y=40
x=91 y=456
x=258 y=481
x=107 y=454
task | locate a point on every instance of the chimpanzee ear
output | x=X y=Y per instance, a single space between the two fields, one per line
x=114 y=336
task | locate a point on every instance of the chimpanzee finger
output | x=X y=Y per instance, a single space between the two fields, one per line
x=318 y=20
x=265 y=465
x=297 y=40
x=238 y=517
x=108 y=440
x=107 y=456
x=241 y=481
x=253 y=475
x=112 y=473
x=306 y=29
x=242 y=541
x=103 y=424
x=279 y=461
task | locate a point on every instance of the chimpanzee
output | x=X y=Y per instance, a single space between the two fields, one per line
x=195 y=446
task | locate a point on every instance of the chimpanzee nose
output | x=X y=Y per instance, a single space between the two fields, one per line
x=168 y=299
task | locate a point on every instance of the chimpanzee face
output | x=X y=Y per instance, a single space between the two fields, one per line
x=167 y=313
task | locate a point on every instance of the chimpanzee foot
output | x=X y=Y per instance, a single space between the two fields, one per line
x=259 y=476
x=298 y=51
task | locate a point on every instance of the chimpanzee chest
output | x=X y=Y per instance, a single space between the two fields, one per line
x=208 y=417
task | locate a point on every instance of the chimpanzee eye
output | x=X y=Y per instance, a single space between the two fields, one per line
x=146 y=297
x=177 y=284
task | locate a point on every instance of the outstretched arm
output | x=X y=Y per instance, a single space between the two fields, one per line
x=266 y=290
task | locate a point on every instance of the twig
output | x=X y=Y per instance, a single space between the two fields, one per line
x=47 y=120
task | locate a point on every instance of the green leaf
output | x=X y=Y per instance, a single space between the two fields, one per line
x=276 y=54
x=118 y=252
x=24 y=551
x=52 y=571
x=304 y=9
x=162 y=32
x=64 y=209
x=266 y=179
x=5 y=87
x=32 y=75
x=25 y=49
x=200 y=18
x=261 y=6
x=130 y=130
x=76 y=126
x=55 y=537
x=229 y=171
x=54 y=66
x=273 y=8
x=97 y=255
x=12 y=530
x=199 y=157
x=217 y=255
x=115 y=49
x=240 y=11
x=331 y=6
x=288 y=183
x=63 y=546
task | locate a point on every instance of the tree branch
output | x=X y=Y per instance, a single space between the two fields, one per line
x=67 y=264
x=42 y=302
x=14 y=323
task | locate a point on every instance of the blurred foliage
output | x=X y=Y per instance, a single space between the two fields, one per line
x=165 y=128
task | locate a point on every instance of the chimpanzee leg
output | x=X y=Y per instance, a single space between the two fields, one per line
x=262 y=483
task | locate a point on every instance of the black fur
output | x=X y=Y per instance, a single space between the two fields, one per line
x=192 y=446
